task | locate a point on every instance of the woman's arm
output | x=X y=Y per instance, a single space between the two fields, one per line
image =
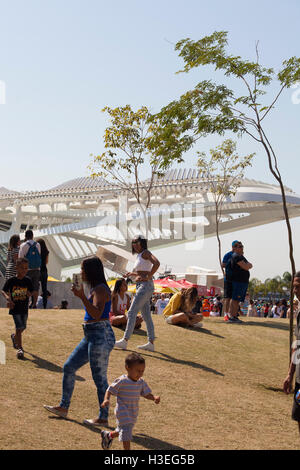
x=148 y=255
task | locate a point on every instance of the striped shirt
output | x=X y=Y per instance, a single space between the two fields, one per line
x=11 y=269
x=128 y=393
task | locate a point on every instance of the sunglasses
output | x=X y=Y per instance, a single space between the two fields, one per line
x=238 y=246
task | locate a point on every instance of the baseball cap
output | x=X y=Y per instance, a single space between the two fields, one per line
x=235 y=242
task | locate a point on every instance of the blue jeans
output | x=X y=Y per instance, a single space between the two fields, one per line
x=141 y=303
x=95 y=348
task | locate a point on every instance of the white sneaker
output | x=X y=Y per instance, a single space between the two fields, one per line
x=121 y=344
x=198 y=325
x=147 y=347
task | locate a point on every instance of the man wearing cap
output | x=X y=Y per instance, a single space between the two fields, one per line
x=226 y=264
x=240 y=280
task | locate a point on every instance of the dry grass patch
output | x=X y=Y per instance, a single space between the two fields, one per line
x=220 y=387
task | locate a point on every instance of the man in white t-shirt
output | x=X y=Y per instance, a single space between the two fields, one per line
x=161 y=304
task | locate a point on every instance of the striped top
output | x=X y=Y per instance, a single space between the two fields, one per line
x=11 y=270
x=128 y=393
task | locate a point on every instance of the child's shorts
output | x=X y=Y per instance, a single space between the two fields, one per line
x=125 y=432
x=20 y=321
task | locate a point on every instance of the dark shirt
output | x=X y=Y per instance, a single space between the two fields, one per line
x=19 y=290
x=226 y=260
x=239 y=274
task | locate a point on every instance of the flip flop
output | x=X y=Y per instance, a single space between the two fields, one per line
x=54 y=410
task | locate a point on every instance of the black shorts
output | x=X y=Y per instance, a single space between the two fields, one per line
x=20 y=321
x=296 y=406
x=227 y=289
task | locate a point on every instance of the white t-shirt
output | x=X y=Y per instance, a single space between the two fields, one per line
x=24 y=247
x=122 y=304
x=275 y=312
x=160 y=305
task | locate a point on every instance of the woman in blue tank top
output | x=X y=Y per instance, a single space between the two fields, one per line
x=97 y=344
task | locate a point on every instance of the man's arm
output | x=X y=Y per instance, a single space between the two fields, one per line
x=245 y=265
x=287 y=384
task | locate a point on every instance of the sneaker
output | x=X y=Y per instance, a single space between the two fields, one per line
x=13 y=339
x=234 y=320
x=121 y=344
x=147 y=347
x=226 y=317
x=57 y=410
x=20 y=354
x=106 y=440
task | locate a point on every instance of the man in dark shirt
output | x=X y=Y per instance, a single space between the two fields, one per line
x=294 y=368
x=240 y=279
x=17 y=291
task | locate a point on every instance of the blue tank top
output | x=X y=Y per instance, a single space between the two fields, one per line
x=105 y=314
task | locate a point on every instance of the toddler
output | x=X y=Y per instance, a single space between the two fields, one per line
x=128 y=388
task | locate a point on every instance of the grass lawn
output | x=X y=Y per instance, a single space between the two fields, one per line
x=220 y=387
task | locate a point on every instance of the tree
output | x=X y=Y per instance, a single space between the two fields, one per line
x=130 y=148
x=223 y=173
x=212 y=108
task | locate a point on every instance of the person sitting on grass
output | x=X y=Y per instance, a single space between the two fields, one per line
x=120 y=302
x=17 y=291
x=128 y=388
x=179 y=309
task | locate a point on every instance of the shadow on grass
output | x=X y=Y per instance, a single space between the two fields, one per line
x=271 y=389
x=151 y=443
x=44 y=364
x=202 y=330
x=271 y=324
x=174 y=360
x=148 y=442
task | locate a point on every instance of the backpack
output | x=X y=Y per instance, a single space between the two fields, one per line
x=33 y=256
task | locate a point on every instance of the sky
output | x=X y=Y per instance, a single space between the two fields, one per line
x=62 y=62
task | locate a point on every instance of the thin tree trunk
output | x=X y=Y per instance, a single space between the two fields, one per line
x=277 y=176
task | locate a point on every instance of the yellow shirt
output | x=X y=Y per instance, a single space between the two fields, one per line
x=173 y=305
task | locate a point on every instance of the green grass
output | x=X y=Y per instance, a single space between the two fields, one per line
x=220 y=387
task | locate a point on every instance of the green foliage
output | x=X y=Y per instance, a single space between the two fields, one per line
x=212 y=108
x=131 y=143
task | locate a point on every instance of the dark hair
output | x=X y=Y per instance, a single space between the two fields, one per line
x=94 y=271
x=48 y=294
x=297 y=274
x=133 y=359
x=13 y=242
x=44 y=249
x=64 y=304
x=143 y=242
x=29 y=234
x=117 y=286
x=21 y=261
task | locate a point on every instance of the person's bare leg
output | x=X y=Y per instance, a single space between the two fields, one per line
x=226 y=305
x=18 y=338
x=119 y=321
x=197 y=318
x=126 y=445
x=234 y=306
x=35 y=295
x=179 y=318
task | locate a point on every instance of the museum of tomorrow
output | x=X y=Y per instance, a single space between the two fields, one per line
x=78 y=216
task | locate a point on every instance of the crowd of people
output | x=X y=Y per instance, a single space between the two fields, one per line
x=105 y=309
